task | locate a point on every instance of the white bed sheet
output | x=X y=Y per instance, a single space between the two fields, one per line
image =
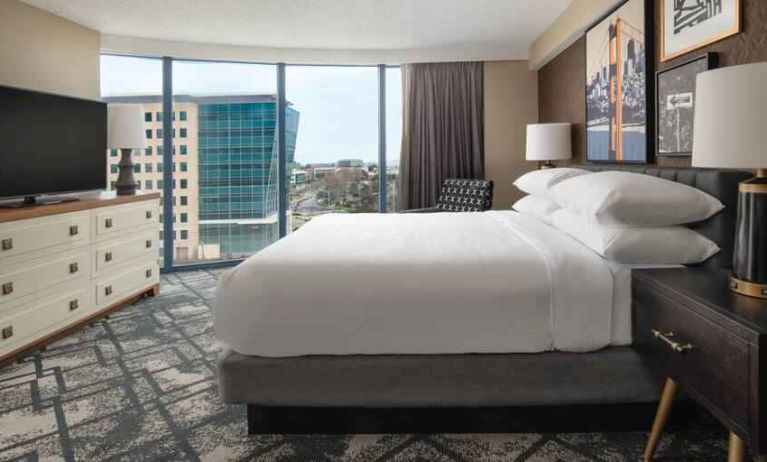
x=621 y=327
x=492 y=282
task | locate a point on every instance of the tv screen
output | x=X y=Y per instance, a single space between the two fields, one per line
x=50 y=143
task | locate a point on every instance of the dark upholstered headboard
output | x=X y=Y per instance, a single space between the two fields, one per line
x=722 y=184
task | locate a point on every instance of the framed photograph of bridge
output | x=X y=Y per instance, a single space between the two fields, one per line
x=619 y=85
x=687 y=25
x=675 y=105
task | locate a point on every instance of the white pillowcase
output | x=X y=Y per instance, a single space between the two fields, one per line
x=540 y=182
x=634 y=199
x=536 y=207
x=665 y=245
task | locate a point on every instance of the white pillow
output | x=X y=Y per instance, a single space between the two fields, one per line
x=536 y=207
x=634 y=199
x=540 y=182
x=666 y=245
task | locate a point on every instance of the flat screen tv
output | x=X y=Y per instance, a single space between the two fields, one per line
x=50 y=144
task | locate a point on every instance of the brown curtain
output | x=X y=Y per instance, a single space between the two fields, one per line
x=442 y=129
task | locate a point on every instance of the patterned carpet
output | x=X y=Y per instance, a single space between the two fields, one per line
x=141 y=386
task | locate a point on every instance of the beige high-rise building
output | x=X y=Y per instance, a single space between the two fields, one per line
x=149 y=167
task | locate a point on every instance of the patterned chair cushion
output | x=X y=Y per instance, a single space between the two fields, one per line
x=465 y=195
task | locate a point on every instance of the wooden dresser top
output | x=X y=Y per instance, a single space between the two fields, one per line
x=85 y=202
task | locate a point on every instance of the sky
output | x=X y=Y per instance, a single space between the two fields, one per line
x=338 y=105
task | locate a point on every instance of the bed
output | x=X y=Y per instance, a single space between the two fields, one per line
x=501 y=310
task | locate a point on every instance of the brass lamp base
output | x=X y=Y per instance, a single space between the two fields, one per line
x=750 y=289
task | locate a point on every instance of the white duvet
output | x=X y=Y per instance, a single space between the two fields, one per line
x=438 y=283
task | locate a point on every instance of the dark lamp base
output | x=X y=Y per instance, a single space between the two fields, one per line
x=126 y=184
x=542 y=165
x=749 y=265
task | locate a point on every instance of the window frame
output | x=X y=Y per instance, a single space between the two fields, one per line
x=167 y=130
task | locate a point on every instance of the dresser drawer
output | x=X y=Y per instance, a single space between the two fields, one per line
x=23 y=279
x=716 y=366
x=42 y=317
x=27 y=236
x=113 y=254
x=111 y=220
x=113 y=288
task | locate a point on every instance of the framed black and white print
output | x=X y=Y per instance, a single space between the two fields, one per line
x=675 y=105
x=687 y=25
x=619 y=85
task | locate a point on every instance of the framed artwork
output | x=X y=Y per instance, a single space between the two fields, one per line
x=687 y=25
x=675 y=105
x=619 y=87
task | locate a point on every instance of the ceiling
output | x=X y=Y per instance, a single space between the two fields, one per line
x=506 y=25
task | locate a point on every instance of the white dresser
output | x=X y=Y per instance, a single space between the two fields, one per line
x=64 y=265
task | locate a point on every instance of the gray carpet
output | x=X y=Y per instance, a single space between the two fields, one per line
x=141 y=386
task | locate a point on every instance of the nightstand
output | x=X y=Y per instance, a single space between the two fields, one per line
x=707 y=340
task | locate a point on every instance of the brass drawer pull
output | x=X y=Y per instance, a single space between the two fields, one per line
x=149 y=273
x=148 y=214
x=148 y=244
x=74 y=230
x=73 y=305
x=7 y=332
x=666 y=337
x=108 y=256
x=108 y=223
x=7 y=288
x=7 y=244
x=73 y=268
x=108 y=290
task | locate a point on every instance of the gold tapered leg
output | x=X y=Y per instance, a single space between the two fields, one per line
x=661 y=416
x=736 y=449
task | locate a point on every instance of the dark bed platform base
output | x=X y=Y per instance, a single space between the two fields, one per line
x=610 y=389
x=522 y=419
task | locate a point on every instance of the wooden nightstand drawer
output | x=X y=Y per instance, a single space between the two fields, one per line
x=700 y=355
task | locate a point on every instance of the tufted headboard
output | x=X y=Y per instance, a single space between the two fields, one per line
x=722 y=184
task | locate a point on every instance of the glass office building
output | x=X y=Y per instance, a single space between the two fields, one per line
x=238 y=167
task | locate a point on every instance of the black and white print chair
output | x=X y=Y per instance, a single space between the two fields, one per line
x=462 y=195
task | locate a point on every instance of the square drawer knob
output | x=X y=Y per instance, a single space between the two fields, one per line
x=7 y=332
x=108 y=256
x=74 y=230
x=7 y=244
x=148 y=244
x=73 y=268
x=108 y=223
x=148 y=214
x=149 y=273
x=7 y=288
x=73 y=305
x=108 y=290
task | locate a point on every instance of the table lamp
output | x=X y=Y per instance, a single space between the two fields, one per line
x=547 y=142
x=731 y=132
x=126 y=132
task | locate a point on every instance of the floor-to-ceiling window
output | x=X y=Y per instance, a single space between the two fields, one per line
x=129 y=80
x=393 y=133
x=216 y=155
x=334 y=166
x=224 y=159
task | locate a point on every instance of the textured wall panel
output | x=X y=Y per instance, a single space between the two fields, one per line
x=561 y=96
x=561 y=82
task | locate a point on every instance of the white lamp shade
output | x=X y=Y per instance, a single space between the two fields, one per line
x=125 y=126
x=730 y=125
x=548 y=142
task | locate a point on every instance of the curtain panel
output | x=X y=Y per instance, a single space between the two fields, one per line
x=442 y=135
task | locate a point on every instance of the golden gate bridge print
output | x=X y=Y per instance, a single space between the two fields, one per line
x=615 y=95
